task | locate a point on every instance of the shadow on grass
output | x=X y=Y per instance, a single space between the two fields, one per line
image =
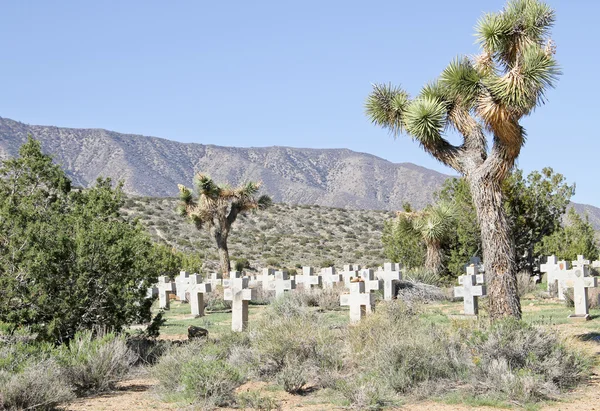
x=591 y=336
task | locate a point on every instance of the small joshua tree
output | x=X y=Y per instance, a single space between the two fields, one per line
x=432 y=225
x=217 y=208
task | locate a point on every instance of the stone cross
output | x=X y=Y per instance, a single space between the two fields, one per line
x=152 y=292
x=282 y=283
x=371 y=282
x=308 y=279
x=165 y=287
x=232 y=275
x=239 y=294
x=215 y=279
x=330 y=278
x=367 y=276
x=268 y=275
x=472 y=287
x=350 y=271
x=390 y=275
x=197 y=289
x=580 y=262
x=181 y=284
x=580 y=282
x=359 y=301
x=556 y=272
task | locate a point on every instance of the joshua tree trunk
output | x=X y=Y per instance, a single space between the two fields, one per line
x=498 y=247
x=221 y=238
x=433 y=260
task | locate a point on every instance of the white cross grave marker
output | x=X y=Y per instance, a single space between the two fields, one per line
x=367 y=276
x=152 y=292
x=329 y=276
x=580 y=262
x=472 y=287
x=197 y=289
x=282 y=283
x=268 y=275
x=165 y=287
x=350 y=271
x=181 y=284
x=215 y=280
x=359 y=301
x=390 y=275
x=239 y=294
x=232 y=275
x=308 y=279
x=580 y=282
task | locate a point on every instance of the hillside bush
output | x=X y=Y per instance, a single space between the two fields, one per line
x=39 y=384
x=402 y=353
x=95 y=363
x=198 y=373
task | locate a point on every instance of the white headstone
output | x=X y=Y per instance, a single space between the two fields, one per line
x=152 y=292
x=267 y=276
x=239 y=294
x=350 y=272
x=556 y=272
x=165 y=288
x=232 y=275
x=390 y=275
x=471 y=289
x=197 y=289
x=359 y=301
x=330 y=277
x=308 y=279
x=181 y=284
x=282 y=283
x=580 y=262
x=215 y=279
x=580 y=282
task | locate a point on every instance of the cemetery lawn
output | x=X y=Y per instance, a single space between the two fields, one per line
x=136 y=393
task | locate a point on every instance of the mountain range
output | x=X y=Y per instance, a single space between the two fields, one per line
x=151 y=166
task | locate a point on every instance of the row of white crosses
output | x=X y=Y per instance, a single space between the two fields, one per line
x=578 y=278
x=237 y=288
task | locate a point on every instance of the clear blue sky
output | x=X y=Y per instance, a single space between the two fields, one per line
x=261 y=73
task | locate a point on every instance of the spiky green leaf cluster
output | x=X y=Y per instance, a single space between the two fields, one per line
x=386 y=107
x=206 y=186
x=461 y=81
x=425 y=119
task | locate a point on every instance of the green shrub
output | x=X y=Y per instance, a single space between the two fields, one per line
x=38 y=385
x=198 y=373
x=254 y=400
x=292 y=377
x=241 y=264
x=363 y=392
x=422 y=275
x=291 y=335
x=522 y=361
x=95 y=364
x=401 y=350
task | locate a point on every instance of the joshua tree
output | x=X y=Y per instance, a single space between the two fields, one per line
x=217 y=208
x=433 y=225
x=481 y=97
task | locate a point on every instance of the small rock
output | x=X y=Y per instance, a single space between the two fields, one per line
x=197 y=332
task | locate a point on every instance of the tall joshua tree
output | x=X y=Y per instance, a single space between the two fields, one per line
x=217 y=208
x=432 y=225
x=483 y=97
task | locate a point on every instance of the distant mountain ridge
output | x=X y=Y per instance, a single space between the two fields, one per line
x=151 y=166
